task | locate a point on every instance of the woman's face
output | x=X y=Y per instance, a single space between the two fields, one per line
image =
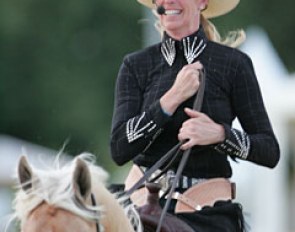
x=181 y=17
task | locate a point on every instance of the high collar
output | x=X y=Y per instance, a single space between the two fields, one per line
x=192 y=46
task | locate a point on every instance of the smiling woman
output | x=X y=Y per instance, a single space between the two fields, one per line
x=207 y=9
x=155 y=93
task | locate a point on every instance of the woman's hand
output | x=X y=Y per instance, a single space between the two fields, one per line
x=199 y=130
x=185 y=86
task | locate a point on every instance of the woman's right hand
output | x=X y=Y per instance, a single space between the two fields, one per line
x=185 y=86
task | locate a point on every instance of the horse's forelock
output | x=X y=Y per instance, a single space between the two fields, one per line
x=54 y=186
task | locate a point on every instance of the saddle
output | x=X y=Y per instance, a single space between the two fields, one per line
x=150 y=214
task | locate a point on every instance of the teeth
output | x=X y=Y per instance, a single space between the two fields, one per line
x=172 y=12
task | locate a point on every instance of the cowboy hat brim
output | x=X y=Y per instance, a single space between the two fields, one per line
x=214 y=8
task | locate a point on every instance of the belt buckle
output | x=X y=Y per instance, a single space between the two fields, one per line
x=168 y=180
x=170 y=177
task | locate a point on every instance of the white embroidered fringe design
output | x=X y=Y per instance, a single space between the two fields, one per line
x=244 y=144
x=168 y=51
x=192 y=52
x=133 y=132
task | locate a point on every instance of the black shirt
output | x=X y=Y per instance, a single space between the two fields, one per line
x=142 y=132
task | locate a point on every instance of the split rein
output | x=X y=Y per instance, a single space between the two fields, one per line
x=171 y=155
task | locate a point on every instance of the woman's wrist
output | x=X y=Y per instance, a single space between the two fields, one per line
x=169 y=102
x=220 y=133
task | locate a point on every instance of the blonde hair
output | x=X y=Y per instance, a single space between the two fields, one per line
x=232 y=39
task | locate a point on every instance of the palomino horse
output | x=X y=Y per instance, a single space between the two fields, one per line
x=72 y=198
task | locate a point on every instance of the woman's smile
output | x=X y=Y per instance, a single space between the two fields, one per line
x=172 y=12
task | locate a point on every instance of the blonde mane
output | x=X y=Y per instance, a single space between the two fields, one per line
x=54 y=186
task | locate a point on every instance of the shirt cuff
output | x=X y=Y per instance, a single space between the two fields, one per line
x=236 y=143
x=159 y=116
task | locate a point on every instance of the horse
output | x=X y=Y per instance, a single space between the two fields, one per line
x=71 y=198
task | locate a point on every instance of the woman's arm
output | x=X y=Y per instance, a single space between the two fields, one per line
x=133 y=130
x=257 y=143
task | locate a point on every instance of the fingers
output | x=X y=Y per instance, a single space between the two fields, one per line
x=197 y=65
x=192 y=113
x=186 y=136
x=185 y=85
x=197 y=130
x=186 y=145
x=194 y=67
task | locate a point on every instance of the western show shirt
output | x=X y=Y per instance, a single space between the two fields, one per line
x=142 y=132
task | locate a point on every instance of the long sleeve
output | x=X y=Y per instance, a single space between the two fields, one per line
x=133 y=129
x=257 y=142
x=142 y=132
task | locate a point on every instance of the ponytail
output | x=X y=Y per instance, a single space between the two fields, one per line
x=233 y=38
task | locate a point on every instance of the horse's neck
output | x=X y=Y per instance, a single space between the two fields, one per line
x=114 y=218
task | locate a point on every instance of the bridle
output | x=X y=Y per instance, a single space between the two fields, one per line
x=93 y=201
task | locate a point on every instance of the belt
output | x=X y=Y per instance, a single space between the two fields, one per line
x=200 y=192
x=167 y=178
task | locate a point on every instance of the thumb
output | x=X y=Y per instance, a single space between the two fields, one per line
x=197 y=65
x=192 y=113
x=186 y=145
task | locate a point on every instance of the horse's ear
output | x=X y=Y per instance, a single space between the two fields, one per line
x=82 y=180
x=25 y=173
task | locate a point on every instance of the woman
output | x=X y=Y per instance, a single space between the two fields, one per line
x=155 y=91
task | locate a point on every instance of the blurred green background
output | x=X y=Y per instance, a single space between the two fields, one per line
x=59 y=61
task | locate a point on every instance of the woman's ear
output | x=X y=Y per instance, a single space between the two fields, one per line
x=203 y=4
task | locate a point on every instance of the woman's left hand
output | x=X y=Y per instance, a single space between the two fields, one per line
x=199 y=130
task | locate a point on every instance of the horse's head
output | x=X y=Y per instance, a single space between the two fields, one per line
x=71 y=198
x=55 y=201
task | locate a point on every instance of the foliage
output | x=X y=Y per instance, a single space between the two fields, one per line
x=58 y=63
